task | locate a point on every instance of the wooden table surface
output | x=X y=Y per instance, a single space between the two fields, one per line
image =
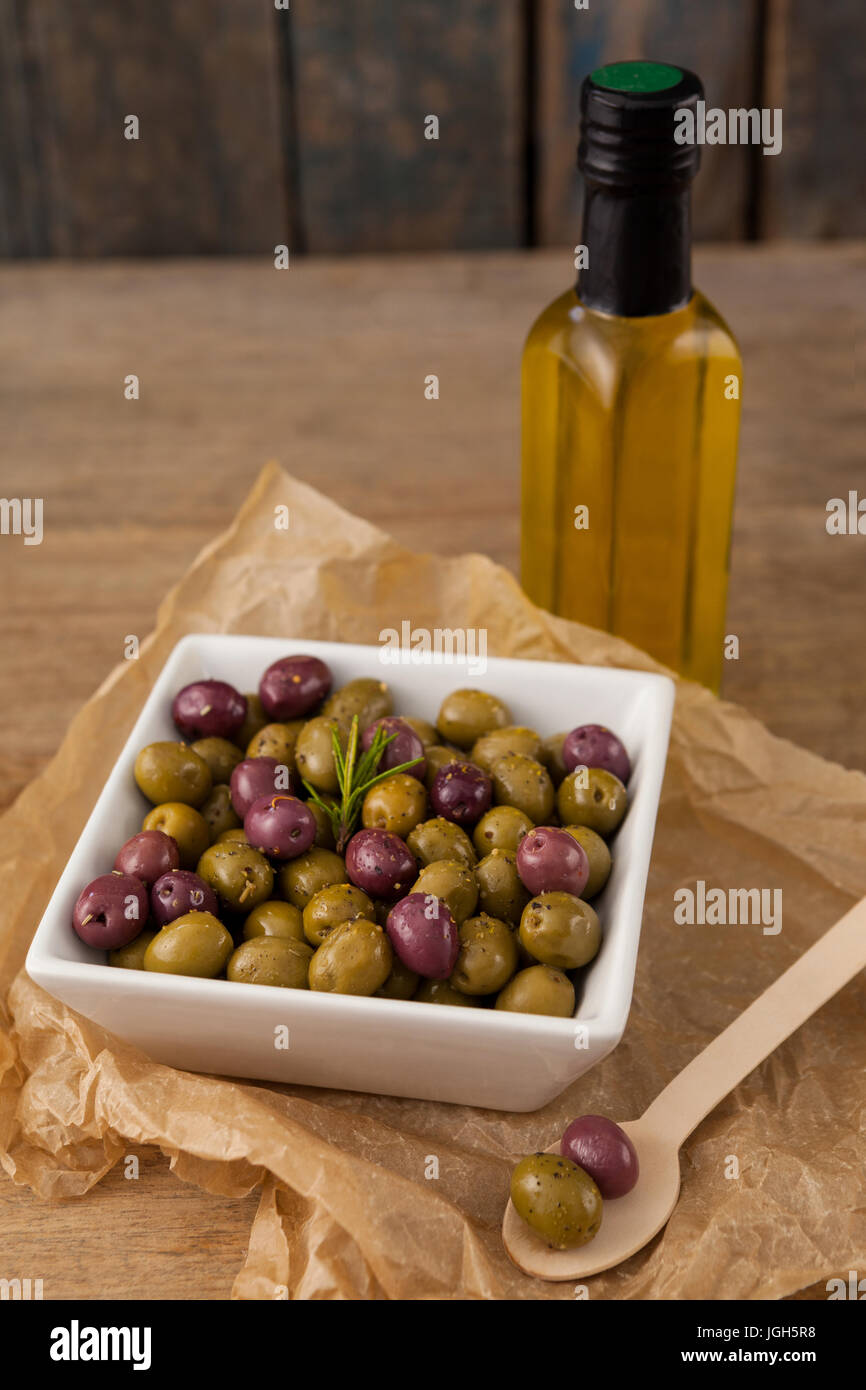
x=323 y=367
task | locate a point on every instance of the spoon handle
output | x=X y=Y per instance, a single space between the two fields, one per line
x=777 y=1013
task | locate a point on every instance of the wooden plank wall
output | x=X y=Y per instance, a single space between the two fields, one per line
x=816 y=73
x=306 y=125
x=206 y=174
x=365 y=77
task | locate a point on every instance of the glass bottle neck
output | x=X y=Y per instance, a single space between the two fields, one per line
x=639 y=251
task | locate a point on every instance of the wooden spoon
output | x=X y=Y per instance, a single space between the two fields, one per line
x=629 y=1222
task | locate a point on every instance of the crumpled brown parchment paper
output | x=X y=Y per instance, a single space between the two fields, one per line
x=345 y=1209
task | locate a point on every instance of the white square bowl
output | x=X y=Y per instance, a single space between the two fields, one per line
x=478 y=1057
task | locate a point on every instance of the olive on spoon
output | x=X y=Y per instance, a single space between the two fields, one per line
x=629 y=1222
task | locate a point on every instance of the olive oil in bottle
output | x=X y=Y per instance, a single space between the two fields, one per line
x=631 y=395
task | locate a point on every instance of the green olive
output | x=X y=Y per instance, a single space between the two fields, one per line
x=238 y=836
x=314 y=753
x=239 y=874
x=221 y=757
x=540 y=989
x=451 y=881
x=271 y=960
x=185 y=825
x=302 y=878
x=514 y=739
x=172 y=772
x=560 y=929
x=219 y=812
x=500 y=891
x=277 y=741
x=256 y=719
x=443 y=992
x=557 y=1199
x=502 y=827
x=466 y=715
x=426 y=731
x=551 y=756
x=356 y=958
x=369 y=699
x=331 y=906
x=440 y=839
x=400 y=984
x=523 y=782
x=488 y=956
x=398 y=804
x=598 y=855
x=195 y=944
x=131 y=956
x=275 y=918
x=594 y=797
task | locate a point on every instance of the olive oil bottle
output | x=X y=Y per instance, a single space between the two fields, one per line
x=631 y=395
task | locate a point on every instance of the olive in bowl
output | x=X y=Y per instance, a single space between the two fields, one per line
x=561 y=930
x=365 y=697
x=331 y=907
x=549 y=859
x=355 y=958
x=592 y=745
x=404 y=746
x=209 y=709
x=280 y=826
x=398 y=804
x=294 y=686
x=380 y=863
x=539 y=989
x=168 y=771
x=195 y=944
x=240 y=875
x=271 y=960
x=111 y=911
x=594 y=797
x=257 y=777
x=147 y=856
x=185 y=825
x=487 y=958
x=424 y=935
x=461 y=793
x=273 y=917
x=178 y=892
x=467 y=715
x=221 y=756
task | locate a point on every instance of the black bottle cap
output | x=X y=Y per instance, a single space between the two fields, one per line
x=628 y=126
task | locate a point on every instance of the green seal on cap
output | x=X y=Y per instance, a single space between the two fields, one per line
x=637 y=77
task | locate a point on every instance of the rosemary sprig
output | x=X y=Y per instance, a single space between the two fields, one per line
x=355 y=776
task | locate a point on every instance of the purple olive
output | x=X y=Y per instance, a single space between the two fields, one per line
x=111 y=911
x=178 y=892
x=592 y=745
x=209 y=709
x=257 y=777
x=148 y=855
x=293 y=686
x=603 y=1150
x=461 y=793
x=424 y=935
x=280 y=825
x=380 y=863
x=405 y=746
x=550 y=860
